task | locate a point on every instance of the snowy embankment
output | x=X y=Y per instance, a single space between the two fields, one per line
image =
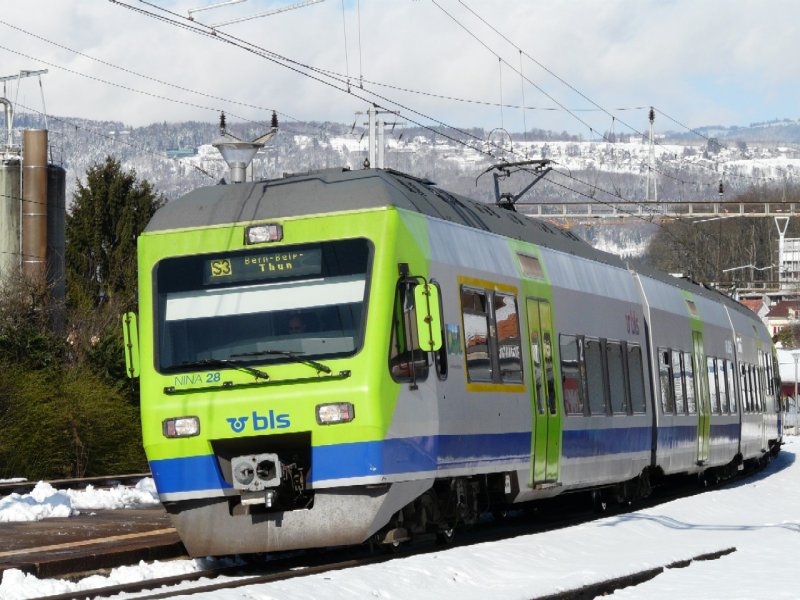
x=45 y=502
x=759 y=516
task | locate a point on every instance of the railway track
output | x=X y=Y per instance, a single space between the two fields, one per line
x=96 y=556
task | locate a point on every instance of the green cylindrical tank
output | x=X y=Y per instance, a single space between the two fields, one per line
x=10 y=202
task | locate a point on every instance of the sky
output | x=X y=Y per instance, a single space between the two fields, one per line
x=758 y=516
x=574 y=63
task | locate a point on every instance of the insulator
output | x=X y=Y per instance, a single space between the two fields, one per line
x=222 y=121
x=721 y=189
x=652 y=115
x=274 y=120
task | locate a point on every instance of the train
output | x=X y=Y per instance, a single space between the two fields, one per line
x=347 y=356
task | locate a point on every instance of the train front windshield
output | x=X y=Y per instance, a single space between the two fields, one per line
x=262 y=305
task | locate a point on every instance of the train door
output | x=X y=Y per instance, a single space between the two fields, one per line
x=703 y=398
x=546 y=426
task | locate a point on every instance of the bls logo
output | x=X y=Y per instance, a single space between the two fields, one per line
x=260 y=422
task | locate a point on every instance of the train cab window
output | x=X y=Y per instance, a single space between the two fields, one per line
x=407 y=361
x=476 y=335
x=237 y=306
x=508 y=346
x=636 y=379
x=572 y=374
x=730 y=377
x=616 y=379
x=688 y=370
x=665 y=380
x=678 y=383
x=595 y=383
x=722 y=391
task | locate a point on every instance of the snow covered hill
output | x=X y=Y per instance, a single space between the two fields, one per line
x=178 y=157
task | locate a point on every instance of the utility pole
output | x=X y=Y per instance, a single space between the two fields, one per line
x=781 y=223
x=376 y=151
x=650 y=174
x=371 y=113
x=10 y=107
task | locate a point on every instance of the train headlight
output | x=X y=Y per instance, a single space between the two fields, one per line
x=341 y=412
x=259 y=234
x=181 y=427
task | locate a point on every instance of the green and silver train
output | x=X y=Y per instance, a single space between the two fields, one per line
x=342 y=356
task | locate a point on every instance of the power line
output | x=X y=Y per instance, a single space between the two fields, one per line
x=567 y=84
x=277 y=58
x=299 y=68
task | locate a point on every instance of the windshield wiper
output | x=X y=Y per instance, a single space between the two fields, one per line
x=293 y=355
x=224 y=362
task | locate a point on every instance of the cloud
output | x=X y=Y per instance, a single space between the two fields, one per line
x=726 y=62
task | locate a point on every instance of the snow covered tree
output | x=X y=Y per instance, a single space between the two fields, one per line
x=108 y=214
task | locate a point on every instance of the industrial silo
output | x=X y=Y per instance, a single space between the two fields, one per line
x=32 y=213
x=10 y=202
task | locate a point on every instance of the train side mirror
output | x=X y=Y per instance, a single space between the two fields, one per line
x=130 y=335
x=429 y=324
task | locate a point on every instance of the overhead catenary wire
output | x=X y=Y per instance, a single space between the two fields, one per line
x=346 y=59
x=301 y=68
x=559 y=78
x=215 y=109
x=317 y=74
x=458 y=141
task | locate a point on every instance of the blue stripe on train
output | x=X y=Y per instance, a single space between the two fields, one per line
x=582 y=443
x=432 y=453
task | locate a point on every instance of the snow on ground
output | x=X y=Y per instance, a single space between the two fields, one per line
x=759 y=516
x=46 y=502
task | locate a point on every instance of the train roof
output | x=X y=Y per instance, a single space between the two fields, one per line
x=335 y=190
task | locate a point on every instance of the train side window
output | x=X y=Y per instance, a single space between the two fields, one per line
x=731 y=379
x=666 y=379
x=688 y=369
x=759 y=391
x=636 y=379
x=508 y=346
x=755 y=374
x=722 y=387
x=616 y=379
x=572 y=376
x=594 y=378
x=677 y=378
x=771 y=377
x=476 y=335
x=713 y=387
x=407 y=361
x=745 y=390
